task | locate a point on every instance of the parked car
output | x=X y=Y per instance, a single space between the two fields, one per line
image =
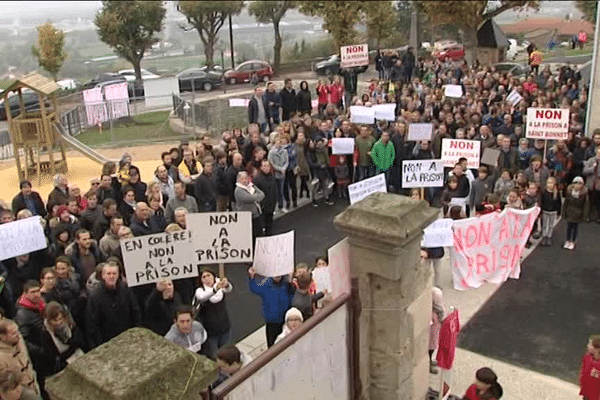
x=331 y=66
x=129 y=74
x=215 y=67
x=105 y=77
x=454 y=52
x=31 y=101
x=198 y=79
x=515 y=69
x=244 y=71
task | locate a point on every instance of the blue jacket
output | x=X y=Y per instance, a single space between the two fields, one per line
x=276 y=298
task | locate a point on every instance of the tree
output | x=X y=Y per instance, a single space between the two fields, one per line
x=50 y=52
x=271 y=12
x=380 y=19
x=340 y=18
x=129 y=28
x=207 y=17
x=589 y=8
x=468 y=15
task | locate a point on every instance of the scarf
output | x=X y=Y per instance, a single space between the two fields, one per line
x=61 y=336
x=28 y=304
x=250 y=189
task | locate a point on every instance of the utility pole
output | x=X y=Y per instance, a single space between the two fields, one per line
x=231 y=42
x=414 y=41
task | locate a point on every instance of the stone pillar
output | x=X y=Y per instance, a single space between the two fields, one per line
x=136 y=365
x=593 y=109
x=394 y=289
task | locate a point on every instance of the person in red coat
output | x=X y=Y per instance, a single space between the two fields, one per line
x=589 y=376
x=323 y=96
x=486 y=386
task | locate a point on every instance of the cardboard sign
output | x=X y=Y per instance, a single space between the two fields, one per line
x=438 y=234
x=221 y=237
x=454 y=149
x=359 y=190
x=422 y=173
x=514 y=98
x=21 y=237
x=453 y=91
x=490 y=157
x=342 y=146
x=274 y=255
x=354 y=55
x=151 y=258
x=488 y=248
x=418 y=132
x=239 y=102
x=362 y=115
x=547 y=123
x=339 y=268
x=386 y=112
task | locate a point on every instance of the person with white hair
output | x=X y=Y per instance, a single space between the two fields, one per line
x=248 y=198
x=60 y=194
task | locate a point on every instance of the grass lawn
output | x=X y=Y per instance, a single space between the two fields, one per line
x=149 y=126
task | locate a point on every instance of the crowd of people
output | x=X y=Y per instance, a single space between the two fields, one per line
x=73 y=296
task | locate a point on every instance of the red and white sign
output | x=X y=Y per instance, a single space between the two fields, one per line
x=547 y=123
x=488 y=248
x=354 y=56
x=454 y=149
x=447 y=344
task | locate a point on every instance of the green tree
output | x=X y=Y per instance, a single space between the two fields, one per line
x=50 y=52
x=129 y=28
x=271 y=12
x=339 y=18
x=207 y=17
x=589 y=8
x=468 y=15
x=380 y=20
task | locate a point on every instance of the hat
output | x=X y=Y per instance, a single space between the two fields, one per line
x=578 y=179
x=293 y=312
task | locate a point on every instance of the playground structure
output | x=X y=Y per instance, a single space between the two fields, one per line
x=32 y=131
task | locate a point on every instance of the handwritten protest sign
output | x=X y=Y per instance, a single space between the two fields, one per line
x=547 y=123
x=339 y=268
x=221 y=237
x=453 y=91
x=514 y=97
x=362 y=115
x=422 y=173
x=488 y=248
x=359 y=190
x=342 y=145
x=490 y=157
x=386 y=112
x=150 y=258
x=454 y=149
x=21 y=237
x=354 y=55
x=322 y=278
x=274 y=255
x=420 y=131
x=439 y=234
x=239 y=102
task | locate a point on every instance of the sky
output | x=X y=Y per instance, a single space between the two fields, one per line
x=49 y=8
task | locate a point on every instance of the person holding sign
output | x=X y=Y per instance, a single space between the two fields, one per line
x=185 y=331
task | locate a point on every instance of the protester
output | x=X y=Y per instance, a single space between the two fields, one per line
x=186 y=331
x=293 y=319
x=575 y=210
x=14 y=355
x=589 y=379
x=229 y=361
x=248 y=198
x=161 y=306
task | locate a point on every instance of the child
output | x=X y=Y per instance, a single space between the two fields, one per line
x=303 y=300
x=530 y=199
x=491 y=204
x=342 y=177
x=504 y=184
x=575 y=210
x=415 y=194
x=229 y=361
x=302 y=270
x=482 y=186
x=589 y=378
x=124 y=165
x=449 y=193
x=486 y=386
x=550 y=202
x=514 y=200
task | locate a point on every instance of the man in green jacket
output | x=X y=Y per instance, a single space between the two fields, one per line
x=383 y=155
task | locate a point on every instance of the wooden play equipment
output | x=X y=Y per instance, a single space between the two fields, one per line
x=32 y=132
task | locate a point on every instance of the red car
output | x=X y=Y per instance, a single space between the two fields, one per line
x=244 y=71
x=453 y=52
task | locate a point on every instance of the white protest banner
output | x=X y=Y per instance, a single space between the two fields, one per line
x=547 y=123
x=359 y=190
x=488 y=248
x=438 y=234
x=322 y=278
x=354 y=55
x=453 y=91
x=422 y=173
x=239 y=102
x=362 y=115
x=221 y=237
x=342 y=146
x=21 y=237
x=514 y=97
x=150 y=258
x=339 y=268
x=420 y=131
x=490 y=157
x=385 y=112
x=454 y=149
x=274 y=255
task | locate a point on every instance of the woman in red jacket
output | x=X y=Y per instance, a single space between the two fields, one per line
x=589 y=375
x=486 y=386
x=323 y=95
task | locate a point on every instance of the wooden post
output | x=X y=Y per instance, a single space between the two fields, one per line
x=21 y=104
x=46 y=135
x=221 y=270
x=422 y=193
x=545 y=146
x=61 y=141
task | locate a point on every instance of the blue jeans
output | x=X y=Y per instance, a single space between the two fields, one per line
x=388 y=175
x=280 y=183
x=572 y=228
x=214 y=343
x=363 y=172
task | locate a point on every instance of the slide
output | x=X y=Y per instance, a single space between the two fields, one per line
x=82 y=148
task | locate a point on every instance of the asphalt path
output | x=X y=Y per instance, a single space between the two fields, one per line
x=314 y=234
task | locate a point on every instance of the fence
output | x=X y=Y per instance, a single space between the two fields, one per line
x=316 y=361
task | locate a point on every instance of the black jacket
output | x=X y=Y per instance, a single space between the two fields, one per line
x=140 y=191
x=89 y=217
x=289 y=103
x=54 y=361
x=351 y=78
x=111 y=312
x=101 y=224
x=76 y=260
x=253 y=110
x=268 y=185
x=205 y=191
x=18 y=204
x=17 y=276
x=127 y=213
x=31 y=324
x=214 y=317
x=159 y=312
x=304 y=101
x=230 y=180
x=55 y=197
x=140 y=229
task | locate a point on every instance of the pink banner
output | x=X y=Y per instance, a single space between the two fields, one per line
x=95 y=108
x=488 y=248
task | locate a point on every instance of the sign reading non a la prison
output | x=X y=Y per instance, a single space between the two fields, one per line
x=547 y=123
x=355 y=55
x=454 y=149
